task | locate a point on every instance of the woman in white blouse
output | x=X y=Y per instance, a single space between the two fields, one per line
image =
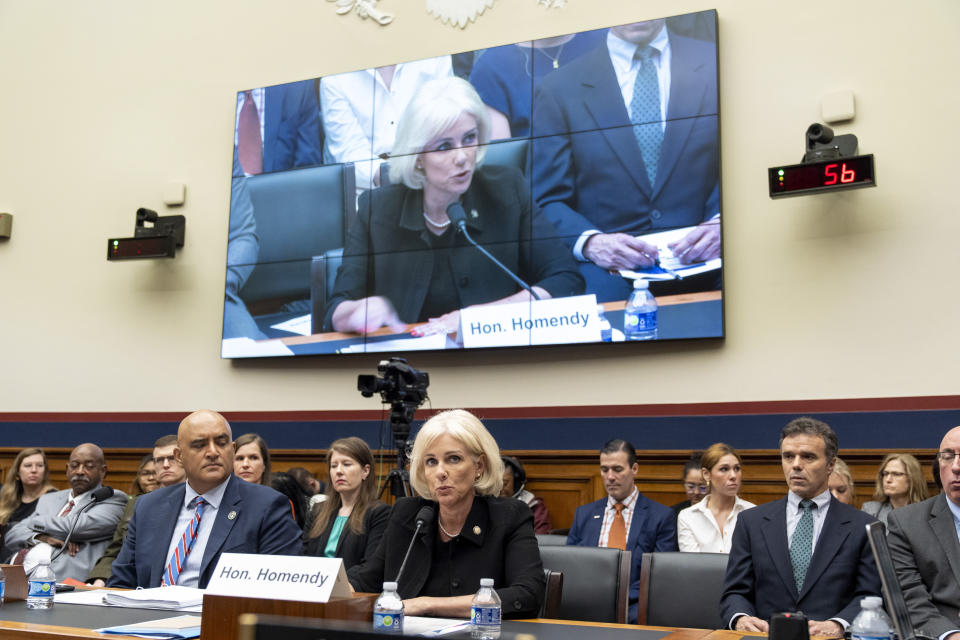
x=708 y=525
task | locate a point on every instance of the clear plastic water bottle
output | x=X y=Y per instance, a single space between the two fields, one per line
x=41 y=585
x=872 y=622
x=3 y=585
x=640 y=315
x=606 y=331
x=388 y=610
x=485 y=612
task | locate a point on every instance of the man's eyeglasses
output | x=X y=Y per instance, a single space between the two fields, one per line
x=695 y=488
x=946 y=457
x=164 y=460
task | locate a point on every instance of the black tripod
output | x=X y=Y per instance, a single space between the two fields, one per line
x=401 y=415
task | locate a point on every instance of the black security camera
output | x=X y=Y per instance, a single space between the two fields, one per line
x=819 y=133
x=822 y=144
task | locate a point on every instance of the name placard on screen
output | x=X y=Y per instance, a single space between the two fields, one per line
x=304 y=578
x=556 y=321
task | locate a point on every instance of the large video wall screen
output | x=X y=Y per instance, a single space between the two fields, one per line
x=516 y=196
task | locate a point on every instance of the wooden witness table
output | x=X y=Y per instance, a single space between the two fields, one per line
x=689 y=312
x=220 y=620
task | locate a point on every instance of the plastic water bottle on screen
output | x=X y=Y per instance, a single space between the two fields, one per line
x=388 y=610
x=872 y=622
x=640 y=314
x=41 y=586
x=3 y=585
x=485 y=612
x=606 y=331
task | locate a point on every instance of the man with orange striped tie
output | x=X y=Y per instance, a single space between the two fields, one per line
x=177 y=533
x=625 y=519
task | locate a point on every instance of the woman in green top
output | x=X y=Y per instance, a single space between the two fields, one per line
x=351 y=521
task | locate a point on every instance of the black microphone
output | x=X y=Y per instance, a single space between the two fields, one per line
x=424 y=519
x=99 y=495
x=459 y=219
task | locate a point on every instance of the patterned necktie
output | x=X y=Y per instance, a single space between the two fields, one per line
x=249 y=143
x=801 y=547
x=184 y=545
x=617 y=538
x=645 y=111
x=69 y=508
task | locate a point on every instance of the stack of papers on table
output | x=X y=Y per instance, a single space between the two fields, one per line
x=168 y=629
x=169 y=598
x=174 y=598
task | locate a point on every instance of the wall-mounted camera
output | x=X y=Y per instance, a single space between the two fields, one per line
x=161 y=239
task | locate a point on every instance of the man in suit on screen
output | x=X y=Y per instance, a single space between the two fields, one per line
x=177 y=533
x=924 y=543
x=625 y=519
x=625 y=142
x=807 y=552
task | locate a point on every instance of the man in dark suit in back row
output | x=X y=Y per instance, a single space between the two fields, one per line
x=177 y=533
x=807 y=552
x=625 y=142
x=924 y=543
x=625 y=519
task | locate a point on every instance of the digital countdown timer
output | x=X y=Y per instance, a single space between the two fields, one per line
x=820 y=177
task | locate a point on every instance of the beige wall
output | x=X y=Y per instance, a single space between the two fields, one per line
x=102 y=102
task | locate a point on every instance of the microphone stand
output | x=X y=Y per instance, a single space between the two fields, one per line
x=94 y=500
x=459 y=218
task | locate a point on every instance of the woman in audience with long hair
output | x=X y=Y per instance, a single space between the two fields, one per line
x=467 y=531
x=708 y=525
x=251 y=462
x=899 y=483
x=146 y=480
x=29 y=478
x=351 y=521
x=841 y=483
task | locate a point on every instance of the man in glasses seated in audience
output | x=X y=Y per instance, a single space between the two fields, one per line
x=924 y=543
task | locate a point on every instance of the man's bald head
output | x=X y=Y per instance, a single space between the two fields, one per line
x=85 y=468
x=205 y=448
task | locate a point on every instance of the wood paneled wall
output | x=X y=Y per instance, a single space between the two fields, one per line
x=564 y=479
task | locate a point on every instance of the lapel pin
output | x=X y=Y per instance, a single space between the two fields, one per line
x=474 y=214
x=231 y=515
x=476 y=531
x=596 y=517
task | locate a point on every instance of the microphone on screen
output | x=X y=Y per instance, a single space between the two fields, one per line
x=424 y=519
x=459 y=219
x=98 y=496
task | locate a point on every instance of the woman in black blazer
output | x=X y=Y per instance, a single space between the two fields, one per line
x=470 y=535
x=404 y=261
x=350 y=522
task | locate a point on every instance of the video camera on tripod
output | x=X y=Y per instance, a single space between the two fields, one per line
x=404 y=389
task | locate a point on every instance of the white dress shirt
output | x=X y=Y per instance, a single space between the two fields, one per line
x=610 y=513
x=819 y=515
x=190 y=573
x=698 y=530
x=361 y=114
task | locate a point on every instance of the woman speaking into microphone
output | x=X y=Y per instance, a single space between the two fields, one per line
x=404 y=261
x=470 y=534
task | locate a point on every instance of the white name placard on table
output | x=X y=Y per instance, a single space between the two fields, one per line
x=304 y=578
x=556 y=321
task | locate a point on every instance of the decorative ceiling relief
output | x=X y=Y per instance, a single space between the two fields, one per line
x=364 y=9
x=457 y=13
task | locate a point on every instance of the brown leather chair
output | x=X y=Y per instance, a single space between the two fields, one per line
x=553 y=595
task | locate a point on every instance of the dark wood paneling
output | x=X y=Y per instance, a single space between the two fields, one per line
x=564 y=479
